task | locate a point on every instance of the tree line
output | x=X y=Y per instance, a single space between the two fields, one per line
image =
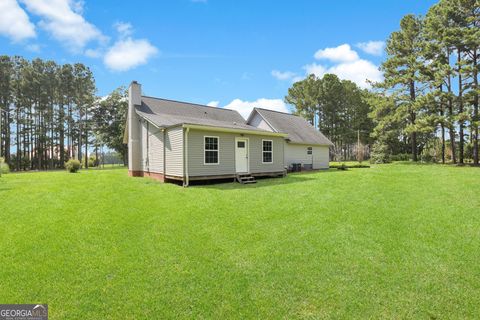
x=426 y=106
x=338 y=108
x=431 y=86
x=50 y=114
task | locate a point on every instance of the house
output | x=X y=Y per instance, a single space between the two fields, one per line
x=173 y=140
x=303 y=145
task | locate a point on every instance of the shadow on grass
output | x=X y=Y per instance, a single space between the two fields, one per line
x=262 y=182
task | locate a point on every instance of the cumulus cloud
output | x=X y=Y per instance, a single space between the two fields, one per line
x=357 y=71
x=213 y=104
x=64 y=21
x=14 y=21
x=129 y=53
x=124 y=29
x=316 y=69
x=342 y=53
x=287 y=75
x=346 y=64
x=372 y=47
x=245 y=107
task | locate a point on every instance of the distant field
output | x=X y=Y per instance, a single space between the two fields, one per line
x=392 y=241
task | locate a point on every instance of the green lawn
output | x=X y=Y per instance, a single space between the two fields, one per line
x=392 y=241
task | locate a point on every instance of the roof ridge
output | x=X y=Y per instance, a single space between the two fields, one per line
x=290 y=114
x=191 y=103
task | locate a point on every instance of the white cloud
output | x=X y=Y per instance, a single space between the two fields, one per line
x=316 y=69
x=372 y=47
x=14 y=22
x=128 y=53
x=245 y=107
x=342 y=53
x=213 y=103
x=64 y=20
x=346 y=64
x=125 y=29
x=357 y=71
x=93 y=53
x=283 y=75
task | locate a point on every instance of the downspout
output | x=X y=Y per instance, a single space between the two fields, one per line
x=186 y=181
x=148 y=147
x=164 y=156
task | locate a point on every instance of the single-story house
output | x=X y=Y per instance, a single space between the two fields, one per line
x=303 y=144
x=173 y=140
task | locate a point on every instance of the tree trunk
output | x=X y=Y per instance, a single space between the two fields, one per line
x=475 y=108
x=61 y=122
x=7 y=134
x=17 y=161
x=451 y=127
x=86 y=138
x=461 y=124
x=413 y=136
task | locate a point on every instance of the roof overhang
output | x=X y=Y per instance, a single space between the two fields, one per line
x=310 y=144
x=232 y=130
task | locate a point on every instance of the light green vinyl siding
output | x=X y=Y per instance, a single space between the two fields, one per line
x=226 y=165
x=155 y=149
x=297 y=153
x=174 y=151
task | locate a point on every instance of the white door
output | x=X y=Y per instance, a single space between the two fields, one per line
x=241 y=155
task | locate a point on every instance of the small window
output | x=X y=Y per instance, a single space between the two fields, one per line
x=309 y=150
x=267 y=151
x=211 y=150
x=240 y=144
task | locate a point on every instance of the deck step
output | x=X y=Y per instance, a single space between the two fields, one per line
x=245 y=178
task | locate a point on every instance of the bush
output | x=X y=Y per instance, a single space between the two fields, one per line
x=92 y=162
x=401 y=157
x=4 y=168
x=342 y=167
x=72 y=165
x=380 y=153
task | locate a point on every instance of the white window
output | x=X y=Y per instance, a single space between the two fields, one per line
x=309 y=150
x=267 y=151
x=210 y=150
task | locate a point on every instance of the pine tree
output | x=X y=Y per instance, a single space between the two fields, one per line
x=402 y=74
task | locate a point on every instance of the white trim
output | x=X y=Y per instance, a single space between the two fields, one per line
x=218 y=151
x=267 y=151
x=265 y=119
x=248 y=153
x=231 y=130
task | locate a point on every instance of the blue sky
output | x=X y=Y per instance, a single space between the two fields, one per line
x=237 y=54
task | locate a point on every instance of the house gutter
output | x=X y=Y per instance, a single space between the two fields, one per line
x=223 y=129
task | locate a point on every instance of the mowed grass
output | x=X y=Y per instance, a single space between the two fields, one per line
x=393 y=241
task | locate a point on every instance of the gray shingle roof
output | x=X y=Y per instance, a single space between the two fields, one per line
x=297 y=128
x=167 y=113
